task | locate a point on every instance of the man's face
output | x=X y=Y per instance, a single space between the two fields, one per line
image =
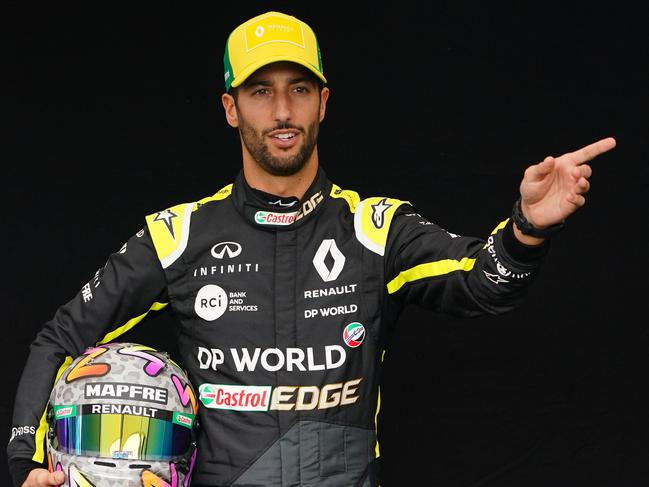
x=278 y=111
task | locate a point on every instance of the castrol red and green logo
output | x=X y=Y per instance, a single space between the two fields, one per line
x=237 y=397
x=272 y=218
x=354 y=334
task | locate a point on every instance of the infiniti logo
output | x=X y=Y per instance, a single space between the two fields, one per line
x=230 y=249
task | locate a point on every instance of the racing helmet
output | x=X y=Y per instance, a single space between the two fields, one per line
x=122 y=414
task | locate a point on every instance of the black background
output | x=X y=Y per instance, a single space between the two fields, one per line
x=113 y=112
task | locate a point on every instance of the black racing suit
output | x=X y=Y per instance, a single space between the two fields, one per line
x=284 y=308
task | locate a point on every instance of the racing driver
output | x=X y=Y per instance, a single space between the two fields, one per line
x=286 y=286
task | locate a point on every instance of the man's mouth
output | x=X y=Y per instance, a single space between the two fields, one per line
x=284 y=136
x=284 y=139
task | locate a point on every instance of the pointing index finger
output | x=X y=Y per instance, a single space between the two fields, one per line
x=593 y=150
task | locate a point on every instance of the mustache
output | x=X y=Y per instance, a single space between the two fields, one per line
x=284 y=126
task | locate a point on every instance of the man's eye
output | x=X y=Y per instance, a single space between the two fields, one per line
x=262 y=91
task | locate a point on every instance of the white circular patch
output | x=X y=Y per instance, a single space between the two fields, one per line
x=211 y=302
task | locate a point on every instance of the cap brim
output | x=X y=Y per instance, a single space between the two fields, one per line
x=245 y=73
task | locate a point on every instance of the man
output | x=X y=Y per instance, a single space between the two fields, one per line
x=286 y=286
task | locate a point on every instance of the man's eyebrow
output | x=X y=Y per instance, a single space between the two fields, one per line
x=266 y=82
x=301 y=79
x=261 y=81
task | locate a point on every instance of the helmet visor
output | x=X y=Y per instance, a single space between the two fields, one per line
x=122 y=432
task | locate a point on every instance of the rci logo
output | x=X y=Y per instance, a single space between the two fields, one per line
x=211 y=302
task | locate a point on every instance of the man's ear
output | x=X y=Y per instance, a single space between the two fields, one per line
x=324 y=96
x=230 y=109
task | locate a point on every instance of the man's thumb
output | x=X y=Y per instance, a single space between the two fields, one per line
x=58 y=477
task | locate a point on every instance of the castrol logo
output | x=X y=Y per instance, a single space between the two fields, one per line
x=239 y=398
x=354 y=334
x=272 y=218
x=183 y=419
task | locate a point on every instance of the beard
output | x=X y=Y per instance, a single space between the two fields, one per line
x=279 y=166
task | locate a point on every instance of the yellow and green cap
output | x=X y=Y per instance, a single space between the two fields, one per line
x=268 y=38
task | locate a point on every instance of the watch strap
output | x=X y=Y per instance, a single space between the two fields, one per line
x=527 y=228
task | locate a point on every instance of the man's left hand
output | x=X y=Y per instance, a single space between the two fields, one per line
x=554 y=189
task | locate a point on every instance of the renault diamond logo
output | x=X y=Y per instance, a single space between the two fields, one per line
x=230 y=249
x=328 y=247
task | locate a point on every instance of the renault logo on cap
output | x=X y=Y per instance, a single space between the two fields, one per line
x=328 y=247
x=228 y=249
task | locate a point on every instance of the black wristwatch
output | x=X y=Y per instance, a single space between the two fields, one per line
x=527 y=228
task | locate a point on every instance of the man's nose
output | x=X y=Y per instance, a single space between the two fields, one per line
x=282 y=106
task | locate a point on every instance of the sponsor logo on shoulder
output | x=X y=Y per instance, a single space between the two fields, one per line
x=166 y=216
x=378 y=211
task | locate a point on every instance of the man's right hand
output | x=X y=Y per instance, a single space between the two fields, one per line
x=39 y=477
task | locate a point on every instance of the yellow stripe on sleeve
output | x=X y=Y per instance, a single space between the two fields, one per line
x=129 y=324
x=498 y=228
x=39 y=437
x=429 y=269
